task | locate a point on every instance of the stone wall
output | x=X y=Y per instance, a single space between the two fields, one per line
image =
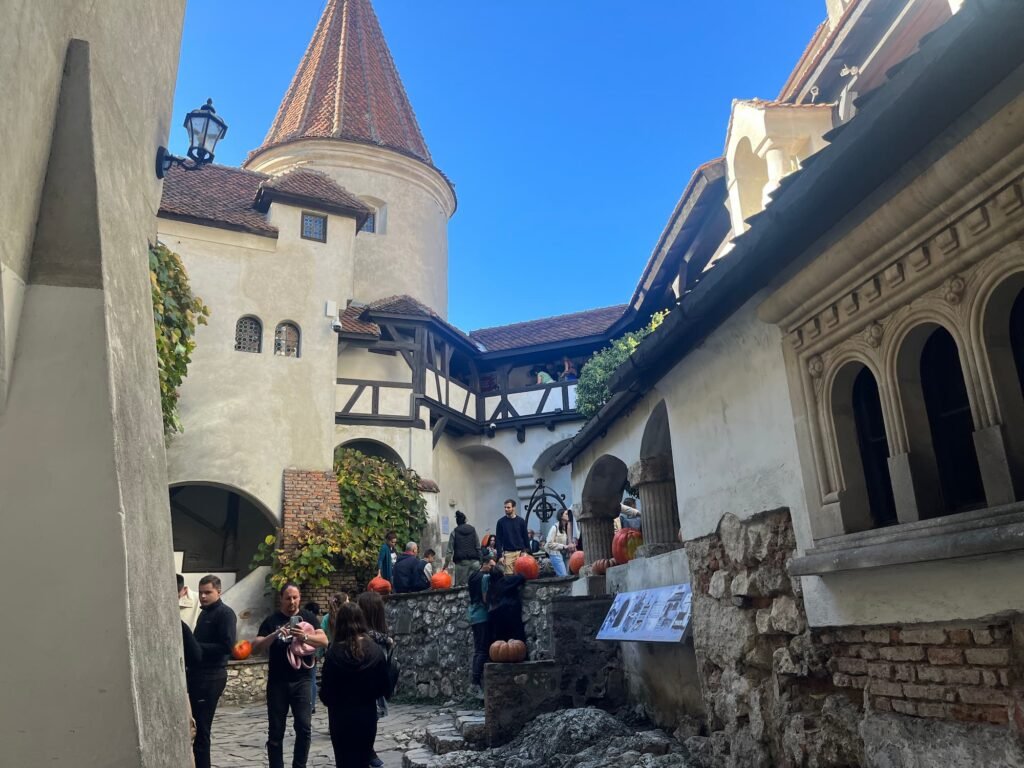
x=516 y=693
x=247 y=682
x=591 y=669
x=435 y=644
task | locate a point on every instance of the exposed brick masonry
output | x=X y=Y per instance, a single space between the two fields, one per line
x=956 y=672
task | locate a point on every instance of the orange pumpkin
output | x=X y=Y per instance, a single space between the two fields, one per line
x=576 y=562
x=516 y=651
x=380 y=585
x=600 y=567
x=526 y=566
x=625 y=543
x=499 y=651
x=241 y=650
x=441 y=580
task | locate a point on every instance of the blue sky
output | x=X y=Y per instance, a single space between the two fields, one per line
x=569 y=127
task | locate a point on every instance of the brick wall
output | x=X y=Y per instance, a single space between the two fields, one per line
x=310 y=495
x=958 y=672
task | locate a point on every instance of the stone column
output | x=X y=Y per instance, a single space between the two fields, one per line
x=595 y=522
x=654 y=479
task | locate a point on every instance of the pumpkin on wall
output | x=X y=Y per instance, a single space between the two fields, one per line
x=600 y=567
x=576 y=562
x=441 y=580
x=379 y=585
x=516 y=651
x=625 y=543
x=499 y=651
x=241 y=650
x=526 y=566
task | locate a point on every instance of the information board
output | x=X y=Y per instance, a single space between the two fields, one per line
x=660 y=615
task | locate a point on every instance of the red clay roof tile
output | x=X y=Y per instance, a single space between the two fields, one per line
x=548 y=330
x=216 y=195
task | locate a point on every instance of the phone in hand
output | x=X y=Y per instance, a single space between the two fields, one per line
x=294 y=620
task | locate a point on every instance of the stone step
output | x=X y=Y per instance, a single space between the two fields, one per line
x=471 y=725
x=442 y=738
x=418 y=756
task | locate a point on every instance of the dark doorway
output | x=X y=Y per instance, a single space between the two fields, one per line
x=952 y=428
x=874 y=448
x=1017 y=337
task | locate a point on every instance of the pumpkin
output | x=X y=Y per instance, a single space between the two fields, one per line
x=516 y=651
x=241 y=650
x=526 y=566
x=625 y=543
x=499 y=651
x=380 y=585
x=576 y=562
x=599 y=568
x=441 y=580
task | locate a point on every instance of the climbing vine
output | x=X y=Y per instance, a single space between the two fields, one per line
x=376 y=497
x=592 y=389
x=176 y=313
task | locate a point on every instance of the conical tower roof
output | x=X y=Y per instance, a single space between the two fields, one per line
x=347 y=87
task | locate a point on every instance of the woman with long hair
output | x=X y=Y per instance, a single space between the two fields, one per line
x=355 y=675
x=558 y=543
x=372 y=605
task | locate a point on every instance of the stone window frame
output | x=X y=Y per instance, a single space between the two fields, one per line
x=309 y=233
x=950 y=280
x=281 y=346
x=243 y=347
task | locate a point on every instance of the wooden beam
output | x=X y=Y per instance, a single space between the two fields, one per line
x=352 y=400
x=438 y=429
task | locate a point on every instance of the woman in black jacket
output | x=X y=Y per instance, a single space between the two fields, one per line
x=504 y=596
x=354 y=676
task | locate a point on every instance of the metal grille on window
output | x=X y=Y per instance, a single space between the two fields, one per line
x=248 y=335
x=286 y=340
x=370 y=225
x=314 y=227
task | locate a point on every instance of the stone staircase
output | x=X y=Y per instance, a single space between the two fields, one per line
x=462 y=730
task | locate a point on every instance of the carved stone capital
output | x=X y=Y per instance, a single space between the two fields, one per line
x=873 y=334
x=654 y=469
x=815 y=366
x=955 y=288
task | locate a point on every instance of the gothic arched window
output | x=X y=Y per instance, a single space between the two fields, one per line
x=874 y=448
x=248 y=334
x=286 y=340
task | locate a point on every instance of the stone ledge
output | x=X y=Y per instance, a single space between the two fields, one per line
x=982 y=532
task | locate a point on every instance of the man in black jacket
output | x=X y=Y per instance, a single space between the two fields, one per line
x=463 y=550
x=215 y=635
x=410 y=572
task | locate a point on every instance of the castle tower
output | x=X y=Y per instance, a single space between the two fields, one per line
x=347 y=114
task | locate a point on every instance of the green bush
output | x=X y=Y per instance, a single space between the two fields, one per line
x=176 y=313
x=592 y=389
x=376 y=497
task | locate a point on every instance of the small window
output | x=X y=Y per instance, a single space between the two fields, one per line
x=286 y=340
x=248 y=335
x=314 y=227
x=370 y=225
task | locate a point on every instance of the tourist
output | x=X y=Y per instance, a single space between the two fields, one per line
x=491 y=545
x=188 y=604
x=372 y=606
x=409 y=571
x=478 y=620
x=532 y=544
x=428 y=558
x=558 y=543
x=192 y=654
x=541 y=376
x=629 y=515
x=333 y=604
x=287 y=687
x=506 y=606
x=215 y=635
x=462 y=550
x=387 y=556
x=568 y=370
x=510 y=536
x=355 y=676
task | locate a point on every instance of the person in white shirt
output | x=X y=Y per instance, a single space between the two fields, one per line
x=188 y=604
x=558 y=543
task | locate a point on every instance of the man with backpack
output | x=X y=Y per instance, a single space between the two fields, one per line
x=463 y=550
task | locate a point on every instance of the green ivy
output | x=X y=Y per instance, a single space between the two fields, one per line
x=592 y=388
x=376 y=497
x=176 y=313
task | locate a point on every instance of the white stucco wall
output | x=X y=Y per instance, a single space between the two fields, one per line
x=247 y=416
x=411 y=255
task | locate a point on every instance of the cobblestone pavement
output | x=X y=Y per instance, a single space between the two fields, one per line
x=240 y=736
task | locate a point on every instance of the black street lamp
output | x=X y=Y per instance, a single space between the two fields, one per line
x=205 y=129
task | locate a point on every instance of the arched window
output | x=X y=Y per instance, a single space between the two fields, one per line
x=1004 y=344
x=248 y=334
x=866 y=497
x=286 y=340
x=874 y=448
x=951 y=424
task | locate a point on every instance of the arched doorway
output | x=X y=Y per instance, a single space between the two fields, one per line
x=216 y=529
x=599 y=505
x=653 y=477
x=372 y=448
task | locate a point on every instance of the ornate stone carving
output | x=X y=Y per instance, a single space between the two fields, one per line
x=948 y=240
x=955 y=288
x=873 y=334
x=815 y=366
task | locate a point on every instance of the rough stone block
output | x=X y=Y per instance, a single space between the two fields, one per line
x=852 y=666
x=932 y=709
x=868 y=652
x=931 y=692
x=960 y=636
x=924 y=636
x=983 y=636
x=904 y=707
x=945 y=656
x=988 y=656
x=881 y=636
x=905 y=673
x=881 y=704
x=928 y=674
x=885 y=688
x=983 y=695
x=850 y=635
x=763 y=620
x=926 y=741
x=786 y=616
x=964 y=676
x=880 y=669
x=718 y=586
